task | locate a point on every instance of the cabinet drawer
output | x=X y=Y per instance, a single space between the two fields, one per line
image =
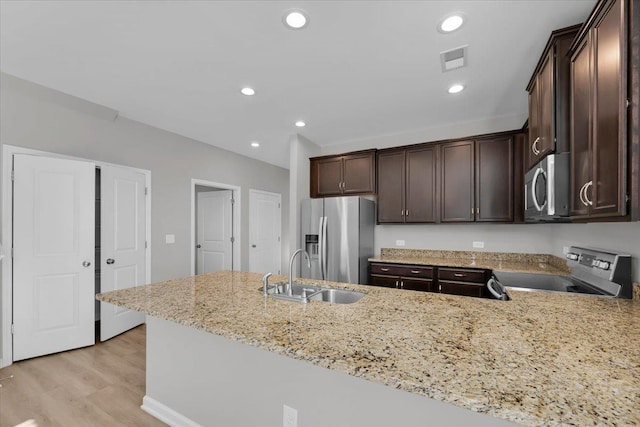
x=425 y=285
x=416 y=271
x=384 y=281
x=386 y=269
x=461 y=288
x=462 y=275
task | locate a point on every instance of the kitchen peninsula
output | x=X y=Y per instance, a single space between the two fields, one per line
x=219 y=353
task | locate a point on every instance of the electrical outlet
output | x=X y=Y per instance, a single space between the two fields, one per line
x=399 y=242
x=289 y=416
x=169 y=238
x=478 y=245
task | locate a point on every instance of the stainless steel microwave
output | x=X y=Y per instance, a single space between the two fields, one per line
x=546 y=189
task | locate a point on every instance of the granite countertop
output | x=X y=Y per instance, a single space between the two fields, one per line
x=541 y=359
x=501 y=261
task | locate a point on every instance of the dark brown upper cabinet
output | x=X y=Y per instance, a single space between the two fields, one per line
x=478 y=180
x=343 y=175
x=549 y=98
x=495 y=179
x=457 y=188
x=599 y=114
x=391 y=184
x=521 y=140
x=407 y=185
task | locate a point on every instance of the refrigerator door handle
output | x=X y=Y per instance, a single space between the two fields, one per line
x=324 y=248
x=320 y=247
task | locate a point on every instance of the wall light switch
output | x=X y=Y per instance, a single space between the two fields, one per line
x=565 y=250
x=169 y=238
x=478 y=245
x=289 y=416
x=399 y=242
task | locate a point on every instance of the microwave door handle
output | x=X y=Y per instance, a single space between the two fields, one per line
x=534 y=198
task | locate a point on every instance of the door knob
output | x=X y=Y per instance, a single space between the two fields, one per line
x=198 y=246
x=110 y=261
x=86 y=263
x=253 y=246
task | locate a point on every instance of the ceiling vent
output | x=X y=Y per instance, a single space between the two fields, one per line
x=454 y=58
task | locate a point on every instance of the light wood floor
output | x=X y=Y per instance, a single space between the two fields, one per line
x=101 y=385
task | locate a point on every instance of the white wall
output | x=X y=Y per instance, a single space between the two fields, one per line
x=36 y=117
x=448 y=131
x=299 y=180
x=525 y=238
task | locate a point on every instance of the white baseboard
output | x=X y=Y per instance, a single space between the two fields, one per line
x=166 y=414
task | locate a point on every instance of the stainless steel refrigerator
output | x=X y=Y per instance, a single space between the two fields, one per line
x=337 y=232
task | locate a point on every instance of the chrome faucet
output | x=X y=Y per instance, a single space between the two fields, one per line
x=265 y=284
x=306 y=255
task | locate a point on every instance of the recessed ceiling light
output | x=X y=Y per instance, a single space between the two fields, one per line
x=451 y=23
x=457 y=88
x=255 y=144
x=247 y=91
x=300 y=124
x=295 y=19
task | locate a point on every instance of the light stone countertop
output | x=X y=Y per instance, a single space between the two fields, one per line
x=541 y=359
x=502 y=261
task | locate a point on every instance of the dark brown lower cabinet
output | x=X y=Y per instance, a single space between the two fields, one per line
x=455 y=281
x=402 y=276
x=463 y=281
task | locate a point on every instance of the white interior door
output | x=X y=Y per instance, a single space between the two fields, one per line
x=264 y=232
x=122 y=240
x=214 y=244
x=53 y=264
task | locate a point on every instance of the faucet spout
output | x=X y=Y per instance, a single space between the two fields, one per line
x=293 y=256
x=265 y=284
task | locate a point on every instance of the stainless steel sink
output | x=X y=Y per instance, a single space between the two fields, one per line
x=338 y=296
x=304 y=293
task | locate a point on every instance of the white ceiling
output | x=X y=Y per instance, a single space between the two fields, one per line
x=360 y=69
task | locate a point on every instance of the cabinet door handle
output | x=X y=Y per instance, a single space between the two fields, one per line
x=584 y=202
x=415 y=271
x=459 y=274
x=401 y=285
x=384 y=269
x=397 y=286
x=406 y=213
x=534 y=147
x=586 y=188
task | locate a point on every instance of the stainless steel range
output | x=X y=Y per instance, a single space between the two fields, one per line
x=593 y=271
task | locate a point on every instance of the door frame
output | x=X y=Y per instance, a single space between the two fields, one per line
x=279 y=251
x=6 y=358
x=235 y=218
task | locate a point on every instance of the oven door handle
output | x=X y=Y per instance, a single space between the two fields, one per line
x=492 y=284
x=534 y=183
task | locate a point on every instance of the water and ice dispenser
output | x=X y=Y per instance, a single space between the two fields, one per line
x=311 y=245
